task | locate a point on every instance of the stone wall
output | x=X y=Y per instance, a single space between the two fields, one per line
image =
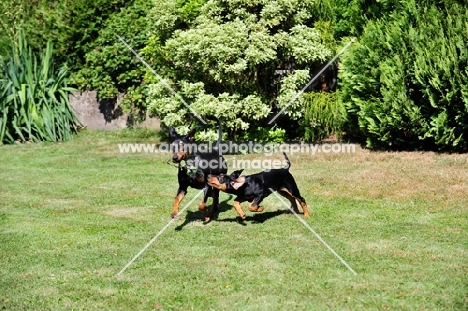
x=103 y=114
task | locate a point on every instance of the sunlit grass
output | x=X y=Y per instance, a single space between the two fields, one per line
x=73 y=214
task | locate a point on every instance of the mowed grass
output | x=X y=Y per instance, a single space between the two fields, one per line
x=73 y=214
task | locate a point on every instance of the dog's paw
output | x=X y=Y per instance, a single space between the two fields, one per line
x=256 y=209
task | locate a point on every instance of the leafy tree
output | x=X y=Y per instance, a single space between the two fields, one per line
x=224 y=60
x=73 y=26
x=405 y=82
x=110 y=68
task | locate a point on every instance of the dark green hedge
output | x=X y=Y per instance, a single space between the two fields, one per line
x=405 y=83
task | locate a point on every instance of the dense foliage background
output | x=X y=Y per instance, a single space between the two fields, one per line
x=402 y=85
x=405 y=83
x=225 y=60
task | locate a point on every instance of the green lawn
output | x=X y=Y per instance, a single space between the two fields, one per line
x=73 y=214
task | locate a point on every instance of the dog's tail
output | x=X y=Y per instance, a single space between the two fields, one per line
x=288 y=163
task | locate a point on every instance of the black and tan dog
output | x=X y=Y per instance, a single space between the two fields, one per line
x=254 y=188
x=194 y=168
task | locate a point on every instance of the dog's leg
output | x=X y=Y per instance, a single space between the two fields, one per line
x=285 y=193
x=214 y=207
x=238 y=207
x=202 y=205
x=179 y=197
x=295 y=195
x=206 y=194
x=304 y=207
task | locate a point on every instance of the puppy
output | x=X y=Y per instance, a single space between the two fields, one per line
x=254 y=188
x=193 y=169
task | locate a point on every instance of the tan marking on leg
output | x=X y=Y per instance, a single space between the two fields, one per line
x=285 y=193
x=303 y=204
x=202 y=205
x=305 y=209
x=215 y=206
x=238 y=208
x=207 y=214
x=177 y=201
x=255 y=208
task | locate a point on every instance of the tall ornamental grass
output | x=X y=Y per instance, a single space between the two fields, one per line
x=34 y=103
x=324 y=115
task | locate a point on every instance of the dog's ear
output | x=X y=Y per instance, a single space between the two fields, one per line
x=191 y=134
x=172 y=133
x=236 y=174
x=238 y=182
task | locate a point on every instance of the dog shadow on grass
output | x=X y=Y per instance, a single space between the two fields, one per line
x=198 y=216
x=259 y=218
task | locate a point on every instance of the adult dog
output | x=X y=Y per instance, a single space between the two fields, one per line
x=194 y=167
x=254 y=188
